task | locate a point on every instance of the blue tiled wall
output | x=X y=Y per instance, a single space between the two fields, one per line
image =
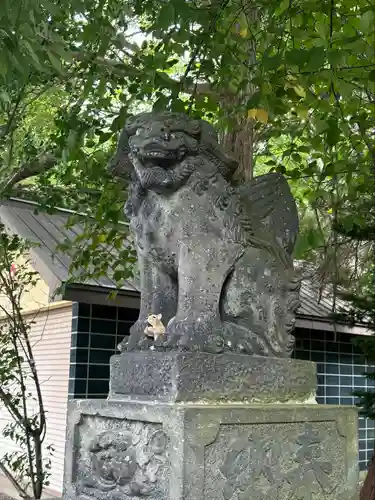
x=97 y=330
x=340 y=368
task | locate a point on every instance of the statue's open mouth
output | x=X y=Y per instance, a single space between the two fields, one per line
x=158 y=153
x=155 y=154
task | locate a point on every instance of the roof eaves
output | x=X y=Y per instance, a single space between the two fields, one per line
x=326 y=324
x=20 y=203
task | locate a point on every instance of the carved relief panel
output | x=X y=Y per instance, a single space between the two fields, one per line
x=275 y=462
x=119 y=458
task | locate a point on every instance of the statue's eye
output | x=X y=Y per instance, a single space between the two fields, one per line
x=194 y=127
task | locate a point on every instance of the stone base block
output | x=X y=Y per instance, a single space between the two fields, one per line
x=198 y=377
x=171 y=451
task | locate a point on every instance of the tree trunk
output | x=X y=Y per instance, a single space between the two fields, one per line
x=368 y=488
x=240 y=140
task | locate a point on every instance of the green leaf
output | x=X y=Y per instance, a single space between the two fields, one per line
x=296 y=157
x=345 y=89
x=3 y=65
x=333 y=133
x=282 y=7
x=51 y=6
x=4 y=96
x=367 y=22
x=300 y=91
x=112 y=295
x=321 y=125
x=30 y=50
x=166 y=17
x=119 y=122
x=335 y=57
x=161 y=104
x=62 y=52
x=371 y=76
x=55 y=61
x=178 y=106
x=314 y=238
x=254 y=101
x=322 y=28
x=316 y=58
x=118 y=275
x=272 y=62
x=16 y=62
x=296 y=56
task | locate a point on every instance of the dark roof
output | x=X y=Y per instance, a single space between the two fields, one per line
x=48 y=231
x=315 y=302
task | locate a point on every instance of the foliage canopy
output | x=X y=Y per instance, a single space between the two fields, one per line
x=290 y=86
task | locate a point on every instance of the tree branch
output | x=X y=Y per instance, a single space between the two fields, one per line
x=14 y=482
x=14 y=410
x=198 y=48
x=38 y=165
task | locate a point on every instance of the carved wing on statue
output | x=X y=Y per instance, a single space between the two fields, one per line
x=269 y=200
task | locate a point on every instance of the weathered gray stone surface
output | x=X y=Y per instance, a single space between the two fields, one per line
x=185 y=376
x=210 y=452
x=214 y=257
x=181 y=421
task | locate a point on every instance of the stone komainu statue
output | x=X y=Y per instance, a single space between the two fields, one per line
x=215 y=258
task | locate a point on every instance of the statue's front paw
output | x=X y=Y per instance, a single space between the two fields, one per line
x=195 y=334
x=138 y=340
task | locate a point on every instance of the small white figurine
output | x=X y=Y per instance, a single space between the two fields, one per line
x=155 y=329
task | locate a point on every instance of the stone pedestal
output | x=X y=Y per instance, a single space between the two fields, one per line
x=174 y=429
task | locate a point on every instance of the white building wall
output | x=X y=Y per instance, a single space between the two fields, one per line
x=51 y=338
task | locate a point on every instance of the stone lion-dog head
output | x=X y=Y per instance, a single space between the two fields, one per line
x=162 y=141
